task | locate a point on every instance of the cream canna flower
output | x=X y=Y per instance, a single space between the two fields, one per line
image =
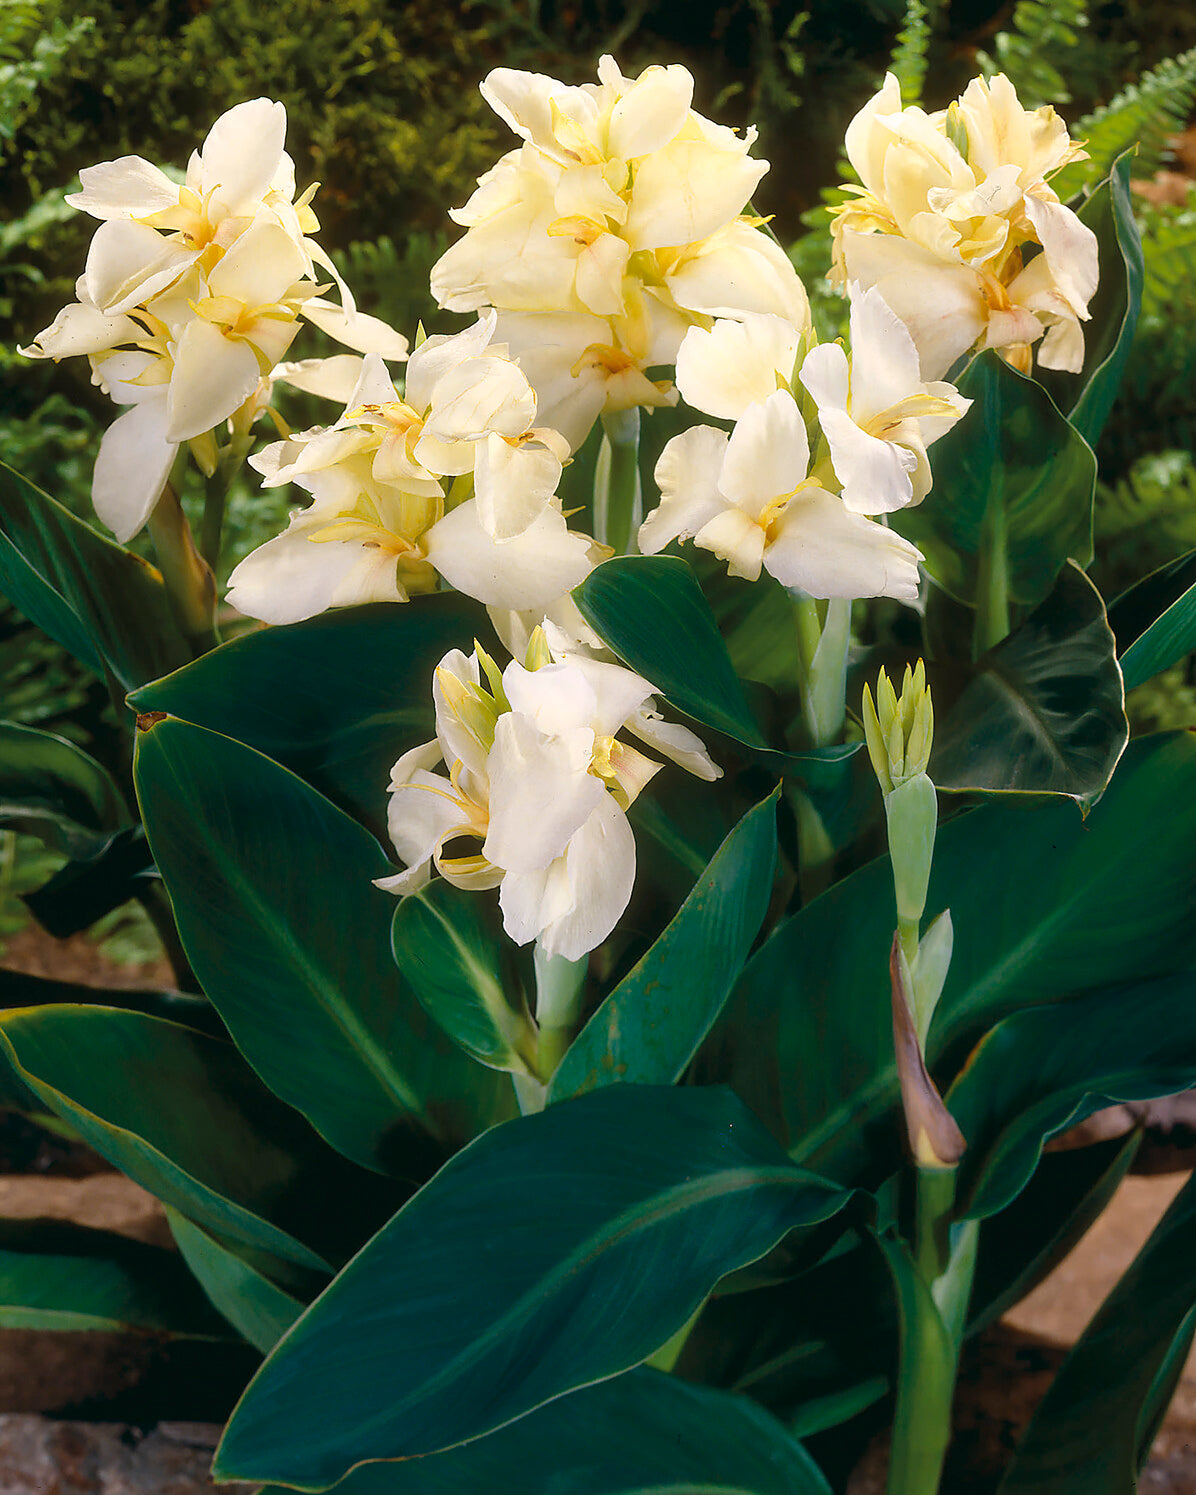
x=751 y=500
x=615 y=227
x=381 y=526
x=957 y=225
x=876 y=413
x=539 y=782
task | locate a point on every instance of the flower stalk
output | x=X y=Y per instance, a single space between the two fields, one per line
x=189 y=580
x=618 y=493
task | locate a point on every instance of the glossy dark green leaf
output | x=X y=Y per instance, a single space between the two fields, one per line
x=455 y=966
x=1023 y=1243
x=1087 y=1436
x=112 y=871
x=336 y=699
x=1045 y=905
x=1088 y=397
x=53 y=789
x=1044 y=712
x=103 y=604
x=58 y=1276
x=1155 y=620
x=651 y=612
x=758 y=622
x=1013 y=485
x=571 y=1244
x=257 y=1308
x=642 y=1433
x=19 y=989
x=649 y=1028
x=183 y=1114
x=1047 y=1068
x=272 y=890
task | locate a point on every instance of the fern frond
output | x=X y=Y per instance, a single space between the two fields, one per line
x=909 y=60
x=1169 y=251
x=1142 y=115
x=1039 y=29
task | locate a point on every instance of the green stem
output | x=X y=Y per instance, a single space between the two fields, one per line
x=932 y=1323
x=188 y=578
x=618 y=498
x=992 y=598
x=560 y=987
x=216 y=491
x=822 y=643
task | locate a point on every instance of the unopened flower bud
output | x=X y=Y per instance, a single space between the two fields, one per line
x=899 y=729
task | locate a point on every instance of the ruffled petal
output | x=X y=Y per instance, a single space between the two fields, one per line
x=129 y=187
x=687 y=476
x=82 y=329
x=825 y=551
x=129 y=262
x=242 y=154
x=291 y=577
x=651 y=112
x=436 y=357
x=735 y=364
x=356 y=330
x=768 y=454
x=514 y=483
x=673 y=741
x=541 y=791
x=600 y=866
x=687 y=191
x=532 y=570
x=877 y=475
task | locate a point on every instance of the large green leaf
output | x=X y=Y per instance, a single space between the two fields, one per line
x=1155 y=620
x=1091 y=1433
x=53 y=789
x=183 y=1114
x=649 y=1028
x=1013 y=489
x=642 y=1433
x=1109 y=334
x=19 y=989
x=1045 y=905
x=257 y=1308
x=272 y=890
x=1047 y=1068
x=67 y=1277
x=1045 y=710
x=651 y=611
x=103 y=604
x=570 y=1246
x=457 y=969
x=335 y=699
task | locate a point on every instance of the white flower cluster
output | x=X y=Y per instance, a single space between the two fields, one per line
x=957 y=225
x=611 y=231
x=756 y=500
x=538 y=785
x=191 y=297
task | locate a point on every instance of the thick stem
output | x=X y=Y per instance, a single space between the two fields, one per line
x=618 y=498
x=933 y=1319
x=822 y=643
x=992 y=599
x=216 y=492
x=560 y=987
x=189 y=580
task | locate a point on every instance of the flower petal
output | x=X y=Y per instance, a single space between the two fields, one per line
x=132 y=465
x=651 y=112
x=687 y=476
x=541 y=791
x=242 y=154
x=735 y=364
x=514 y=483
x=768 y=454
x=260 y=267
x=129 y=187
x=600 y=865
x=532 y=570
x=688 y=190
x=363 y=333
x=213 y=376
x=825 y=551
x=81 y=329
x=291 y=577
x=129 y=262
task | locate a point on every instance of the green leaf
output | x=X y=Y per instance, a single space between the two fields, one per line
x=1045 y=710
x=1089 y=1436
x=571 y=1244
x=256 y=1307
x=926 y=1370
x=19 y=989
x=642 y=1433
x=1088 y=397
x=758 y=622
x=649 y=1028
x=455 y=967
x=114 y=870
x=1047 y=1068
x=1155 y=620
x=650 y=610
x=102 y=603
x=1013 y=489
x=53 y=789
x=1045 y=905
x=184 y=1116
x=336 y=699
x=67 y=1277
x=272 y=890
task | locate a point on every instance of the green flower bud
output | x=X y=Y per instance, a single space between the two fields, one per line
x=899 y=729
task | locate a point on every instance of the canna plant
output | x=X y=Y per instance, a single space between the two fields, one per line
x=617 y=1029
